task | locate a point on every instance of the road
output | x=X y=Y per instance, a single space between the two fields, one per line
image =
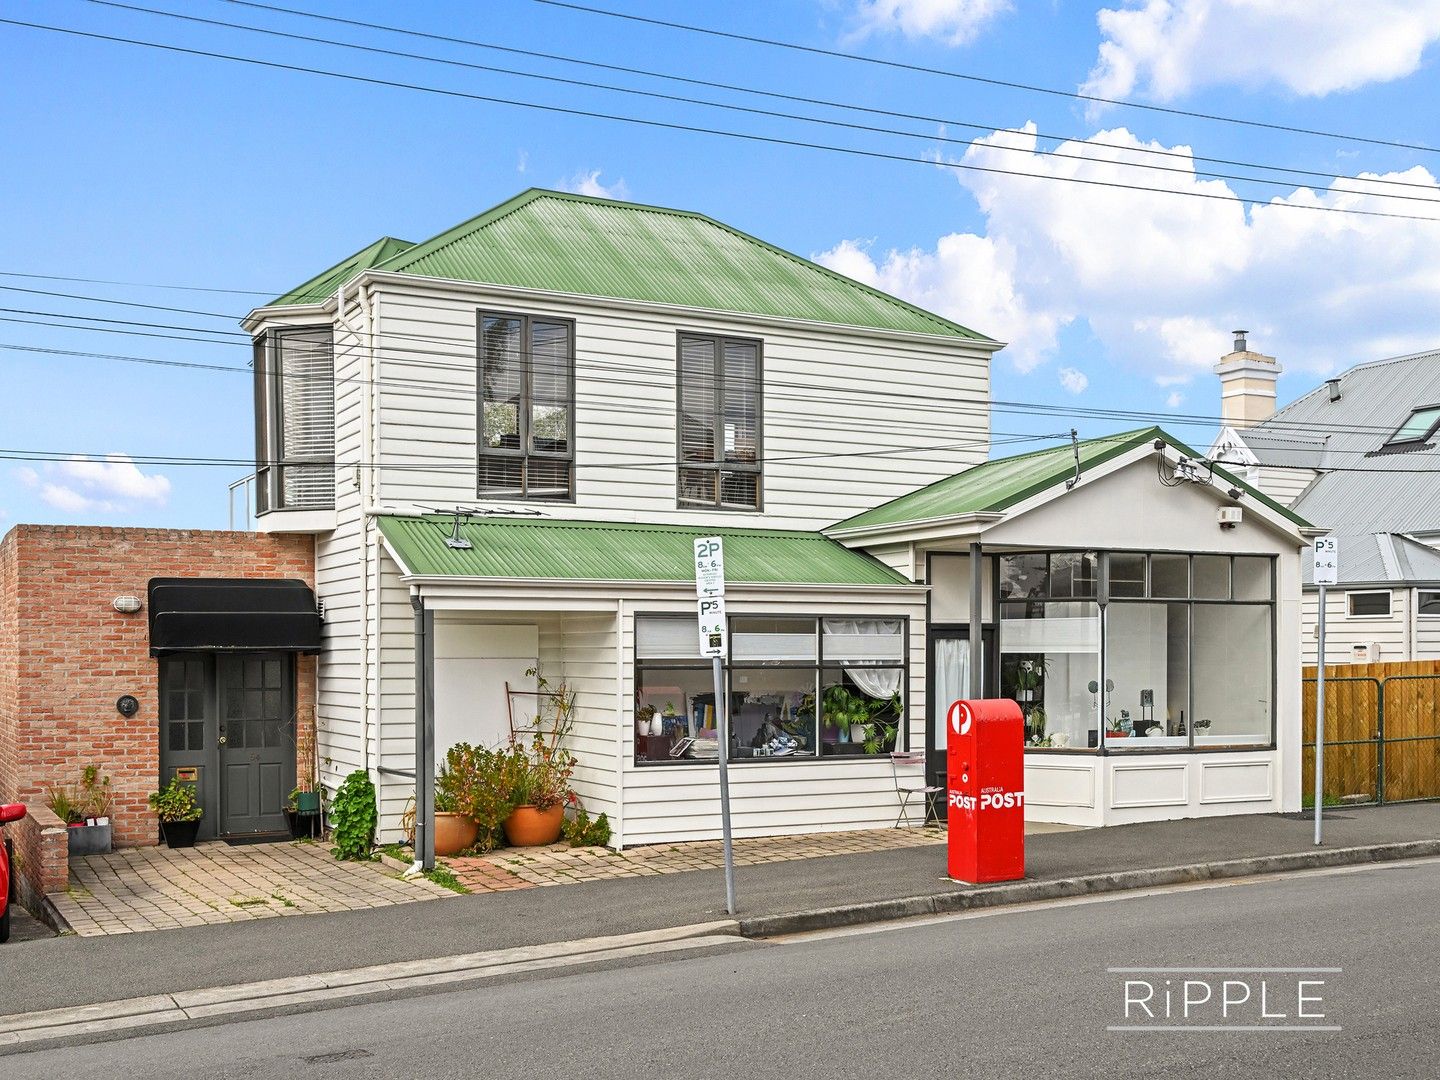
x=1020 y=992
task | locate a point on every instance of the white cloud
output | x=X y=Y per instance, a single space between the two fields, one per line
x=85 y=485
x=953 y=22
x=1073 y=379
x=1160 y=280
x=523 y=162
x=967 y=278
x=588 y=183
x=1164 y=49
x=1175 y=400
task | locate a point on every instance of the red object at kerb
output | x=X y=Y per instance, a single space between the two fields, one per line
x=985 y=748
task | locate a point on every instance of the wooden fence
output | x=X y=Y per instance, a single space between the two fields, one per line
x=1382 y=731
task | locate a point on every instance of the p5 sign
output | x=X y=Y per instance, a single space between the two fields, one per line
x=714 y=632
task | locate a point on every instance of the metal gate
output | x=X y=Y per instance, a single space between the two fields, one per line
x=1382 y=739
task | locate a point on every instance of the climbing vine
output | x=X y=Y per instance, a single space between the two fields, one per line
x=353 y=817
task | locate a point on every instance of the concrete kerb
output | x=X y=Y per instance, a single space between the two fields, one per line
x=1024 y=892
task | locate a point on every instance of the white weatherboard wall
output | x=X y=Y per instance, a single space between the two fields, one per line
x=1394 y=636
x=825 y=393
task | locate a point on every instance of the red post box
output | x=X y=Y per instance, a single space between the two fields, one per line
x=985 y=749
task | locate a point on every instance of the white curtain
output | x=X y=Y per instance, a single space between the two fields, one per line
x=952 y=681
x=860 y=644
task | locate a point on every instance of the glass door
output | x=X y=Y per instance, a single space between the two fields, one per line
x=950 y=659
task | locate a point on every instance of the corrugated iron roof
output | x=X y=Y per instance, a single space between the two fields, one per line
x=324 y=284
x=620 y=551
x=999 y=484
x=1392 y=492
x=560 y=242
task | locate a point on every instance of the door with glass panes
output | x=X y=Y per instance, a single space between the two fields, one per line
x=228 y=726
x=950 y=658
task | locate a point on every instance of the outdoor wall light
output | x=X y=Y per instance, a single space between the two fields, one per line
x=127 y=605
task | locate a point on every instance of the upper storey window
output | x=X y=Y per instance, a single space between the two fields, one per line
x=719 y=427
x=295 y=420
x=527 y=407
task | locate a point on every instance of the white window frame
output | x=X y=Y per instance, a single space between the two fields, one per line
x=1389 y=599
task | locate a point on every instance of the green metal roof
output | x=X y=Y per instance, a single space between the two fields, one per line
x=558 y=242
x=324 y=284
x=999 y=484
x=618 y=551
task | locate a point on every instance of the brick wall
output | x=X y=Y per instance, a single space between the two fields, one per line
x=42 y=852
x=66 y=655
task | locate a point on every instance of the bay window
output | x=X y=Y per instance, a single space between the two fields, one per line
x=527 y=407
x=295 y=420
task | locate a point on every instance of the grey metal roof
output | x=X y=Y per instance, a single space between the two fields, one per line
x=1381 y=558
x=1367 y=493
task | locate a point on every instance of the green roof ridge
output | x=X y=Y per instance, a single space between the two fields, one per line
x=915 y=507
x=319 y=287
x=922 y=321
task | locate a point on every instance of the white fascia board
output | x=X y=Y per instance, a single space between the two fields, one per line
x=909 y=592
x=1227 y=439
x=746 y=318
x=405 y=574
x=916 y=531
x=286 y=315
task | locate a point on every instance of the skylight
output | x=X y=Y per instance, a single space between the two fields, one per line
x=1418 y=428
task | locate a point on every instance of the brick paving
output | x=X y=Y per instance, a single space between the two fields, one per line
x=559 y=864
x=158 y=888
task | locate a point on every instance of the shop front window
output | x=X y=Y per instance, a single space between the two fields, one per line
x=800 y=689
x=1188 y=649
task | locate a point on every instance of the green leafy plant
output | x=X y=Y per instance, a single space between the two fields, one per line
x=443 y=876
x=580 y=830
x=353 y=817
x=176 y=802
x=75 y=805
x=61 y=805
x=846 y=709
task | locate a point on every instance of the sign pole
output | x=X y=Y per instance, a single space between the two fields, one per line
x=1326 y=572
x=722 y=721
x=714 y=642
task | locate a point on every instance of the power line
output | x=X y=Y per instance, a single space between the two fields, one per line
x=822 y=102
x=135 y=284
x=750 y=137
x=1074 y=95
x=928 y=137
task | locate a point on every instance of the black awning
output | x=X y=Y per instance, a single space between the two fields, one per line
x=231 y=614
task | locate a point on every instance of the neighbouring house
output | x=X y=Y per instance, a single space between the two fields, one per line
x=489 y=455
x=1354 y=455
x=150 y=651
x=535 y=413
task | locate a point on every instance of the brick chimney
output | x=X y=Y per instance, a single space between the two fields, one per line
x=1247 y=385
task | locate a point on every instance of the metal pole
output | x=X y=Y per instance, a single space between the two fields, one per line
x=722 y=723
x=1320 y=720
x=977 y=627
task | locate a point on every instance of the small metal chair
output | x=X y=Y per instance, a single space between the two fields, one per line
x=910 y=785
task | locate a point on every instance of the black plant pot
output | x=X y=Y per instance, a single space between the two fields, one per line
x=180 y=834
x=302 y=824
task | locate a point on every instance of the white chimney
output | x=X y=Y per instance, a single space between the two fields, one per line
x=1247 y=385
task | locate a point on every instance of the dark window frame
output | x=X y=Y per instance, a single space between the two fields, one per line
x=719 y=465
x=902 y=736
x=1413 y=441
x=1351 y=613
x=525 y=452
x=270 y=459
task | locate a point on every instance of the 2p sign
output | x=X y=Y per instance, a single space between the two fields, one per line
x=709 y=566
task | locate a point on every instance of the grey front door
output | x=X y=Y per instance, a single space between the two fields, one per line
x=187 y=730
x=256 y=740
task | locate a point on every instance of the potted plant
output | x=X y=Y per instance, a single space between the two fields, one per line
x=86 y=812
x=455 y=827
x=643 y=718
x=1115 y=726
x=302 y=811
x=179 y=813
x=540 y=789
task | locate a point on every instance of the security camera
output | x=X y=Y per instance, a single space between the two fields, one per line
x=1234 y=493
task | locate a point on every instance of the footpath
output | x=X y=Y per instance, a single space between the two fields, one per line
x=660 y=912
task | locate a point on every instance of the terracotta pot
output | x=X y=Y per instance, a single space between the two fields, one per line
x=528 y=827
x=454 y=833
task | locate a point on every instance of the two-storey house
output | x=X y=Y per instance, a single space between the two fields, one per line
x=505 y=439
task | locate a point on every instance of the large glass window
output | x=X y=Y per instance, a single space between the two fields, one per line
x=295 y=420
x=1188 y=640
x=800 y=688
x=718 y=423
x=527 y=403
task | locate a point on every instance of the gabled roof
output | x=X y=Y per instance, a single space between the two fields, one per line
x=554 y=241
x=997 y=485
x=619 y=551
x=324 y=284
x=1367 y=492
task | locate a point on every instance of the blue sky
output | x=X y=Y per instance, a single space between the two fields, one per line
x=133 y=165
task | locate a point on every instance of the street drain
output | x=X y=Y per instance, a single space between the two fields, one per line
x=336 y=1055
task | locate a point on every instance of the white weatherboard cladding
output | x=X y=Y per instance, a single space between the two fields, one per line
x=831 y=412
x=340 y=585
x=1282 y=485
x=1391 y=634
